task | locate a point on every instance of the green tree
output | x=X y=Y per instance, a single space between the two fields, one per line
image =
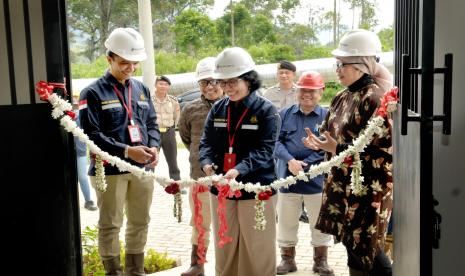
x=367 y=18
x=386 y=36
x=249 y=30
x=193 y=30
x=299 y=36
x=93 y=20
x=268 y=8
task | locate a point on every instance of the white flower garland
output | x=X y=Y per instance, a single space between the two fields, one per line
x=374 y=127
x=60 y=107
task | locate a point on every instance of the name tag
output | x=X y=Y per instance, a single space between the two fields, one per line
x=252 y=127
x=218 y=124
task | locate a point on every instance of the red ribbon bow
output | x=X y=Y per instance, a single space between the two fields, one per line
x=44 y=89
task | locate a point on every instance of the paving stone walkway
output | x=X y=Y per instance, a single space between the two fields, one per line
x=167 y=235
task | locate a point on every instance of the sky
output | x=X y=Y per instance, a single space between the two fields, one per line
x=384 y=12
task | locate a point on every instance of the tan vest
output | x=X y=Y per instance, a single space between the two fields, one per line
x=280 y=98
x=167 y=111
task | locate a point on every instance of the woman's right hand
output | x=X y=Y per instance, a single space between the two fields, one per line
x=329 y=144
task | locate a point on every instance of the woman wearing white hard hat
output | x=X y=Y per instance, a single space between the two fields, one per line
x=238 y=141
x=358 y=216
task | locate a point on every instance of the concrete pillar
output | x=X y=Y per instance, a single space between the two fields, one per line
x=145 y=26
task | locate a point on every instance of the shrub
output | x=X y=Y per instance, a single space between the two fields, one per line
x=331 y=90
x=92 y=264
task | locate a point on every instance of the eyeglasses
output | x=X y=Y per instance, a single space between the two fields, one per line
x=339 y=65
x=205 y=83
x=231 y=82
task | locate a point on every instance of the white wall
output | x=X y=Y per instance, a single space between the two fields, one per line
x=449 y=152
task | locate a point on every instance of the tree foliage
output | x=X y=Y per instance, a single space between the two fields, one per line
x=184 y=34
x=192 y=31
x=386 y=36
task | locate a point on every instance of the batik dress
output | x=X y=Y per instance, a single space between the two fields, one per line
x=359 y=221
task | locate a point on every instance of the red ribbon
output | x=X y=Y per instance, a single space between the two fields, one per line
x=44 y=89
x=223 y=192
x=198 y=220
x=388 y=97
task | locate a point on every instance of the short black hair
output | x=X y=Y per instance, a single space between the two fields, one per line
x=110 y=54
x=253 y=79
x=163 y=78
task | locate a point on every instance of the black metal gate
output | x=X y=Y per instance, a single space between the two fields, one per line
x=40 y=212
x=416 y=224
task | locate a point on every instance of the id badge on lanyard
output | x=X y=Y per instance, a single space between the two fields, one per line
x=135 y=134
x=230 y=157
x=229 y=160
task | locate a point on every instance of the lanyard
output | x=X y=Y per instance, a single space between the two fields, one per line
x=129 y=106
x=231 y=138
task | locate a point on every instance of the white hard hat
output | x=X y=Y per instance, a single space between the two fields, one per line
x=233 y=62
x=358 y=43
x=205 y=68
x=126 y=43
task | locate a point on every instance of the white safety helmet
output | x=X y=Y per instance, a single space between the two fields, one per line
x=126 y=43
x=205 y=68
x=233 y=62
x=358 y=42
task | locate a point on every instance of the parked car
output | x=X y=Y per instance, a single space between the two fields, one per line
x=188 y=96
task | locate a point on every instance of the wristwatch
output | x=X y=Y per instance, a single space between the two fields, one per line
x=126 y=152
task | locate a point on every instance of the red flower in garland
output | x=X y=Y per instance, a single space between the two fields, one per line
x=172 y=189
x=71 y=114
x=265 y=195
x=389 y=97
x=348 y=161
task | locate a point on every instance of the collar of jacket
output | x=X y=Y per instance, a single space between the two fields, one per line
x=247 y=100
x=113 y=81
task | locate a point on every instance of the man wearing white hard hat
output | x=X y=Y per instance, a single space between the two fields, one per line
x=191 y=125
x=117 y=114
x=238 y=142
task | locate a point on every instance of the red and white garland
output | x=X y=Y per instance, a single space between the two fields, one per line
x=62 y=110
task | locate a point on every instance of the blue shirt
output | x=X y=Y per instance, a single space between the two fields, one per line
x=289 y=146
x=81 y=147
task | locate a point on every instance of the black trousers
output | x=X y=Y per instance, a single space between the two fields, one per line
x=170 y=150
x=381 y=264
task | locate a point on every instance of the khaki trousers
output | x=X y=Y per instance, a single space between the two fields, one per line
x=251 y=252
x=206 y=214
x=289 y=209
x=129 y=193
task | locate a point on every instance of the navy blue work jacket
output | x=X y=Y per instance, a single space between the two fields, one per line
x=105 y=119
x=289 y=146
x=254 y=141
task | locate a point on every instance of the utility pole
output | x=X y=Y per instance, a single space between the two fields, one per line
x=145 y=26
x=232 y=22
